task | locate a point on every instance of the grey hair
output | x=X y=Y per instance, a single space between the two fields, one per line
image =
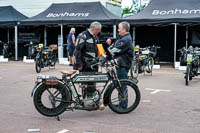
x=71 y=30
x=125 y=25
x=95 y=25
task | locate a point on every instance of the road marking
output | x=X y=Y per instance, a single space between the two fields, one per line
x=172 y=73
x=146 y=101
x=156 y=90
x=34 y=130
x=63 y=131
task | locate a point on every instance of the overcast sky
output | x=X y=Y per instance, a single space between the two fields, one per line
x=126 y=3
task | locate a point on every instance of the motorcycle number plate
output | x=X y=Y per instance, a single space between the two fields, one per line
x=189 y=58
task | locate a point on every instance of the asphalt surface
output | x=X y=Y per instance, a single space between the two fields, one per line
x=166 y=106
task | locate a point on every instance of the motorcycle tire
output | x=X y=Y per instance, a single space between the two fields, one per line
x=53 y=61
x=150 y=65
x=134 y=69
x=52 y=105
x=38 y=65
x=187 y=75
x=131 y=87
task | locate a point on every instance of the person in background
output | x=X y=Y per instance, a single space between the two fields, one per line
x=71 y=40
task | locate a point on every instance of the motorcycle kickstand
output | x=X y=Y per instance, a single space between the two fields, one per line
x=57 y=116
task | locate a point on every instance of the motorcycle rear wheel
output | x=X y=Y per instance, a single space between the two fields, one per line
x=131 y=95
x=48 y=99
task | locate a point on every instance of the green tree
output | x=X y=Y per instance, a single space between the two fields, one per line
x=134 y=9
x=126 y=11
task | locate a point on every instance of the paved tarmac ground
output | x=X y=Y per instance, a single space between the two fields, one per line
x=167 y=105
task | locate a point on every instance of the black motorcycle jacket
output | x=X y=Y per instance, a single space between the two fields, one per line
x=123 y=50
x=86 y=51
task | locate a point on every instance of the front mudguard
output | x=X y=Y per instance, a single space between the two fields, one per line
x=109 y=90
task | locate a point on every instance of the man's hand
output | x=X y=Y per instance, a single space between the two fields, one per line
x=80 y=68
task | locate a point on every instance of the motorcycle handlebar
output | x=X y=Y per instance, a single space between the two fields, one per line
x=103 y=61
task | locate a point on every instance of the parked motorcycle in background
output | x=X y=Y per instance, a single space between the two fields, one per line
x=46 y=57
x=183 y=56
x=193 y=64
x=6 y=49
x=31 y=50
x=154 y=53
x=143 y=60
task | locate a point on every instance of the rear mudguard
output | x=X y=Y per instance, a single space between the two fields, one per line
x=37 y=85
x=35 y=88
x=109 y=89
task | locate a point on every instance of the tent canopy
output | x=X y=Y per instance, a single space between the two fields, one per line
x=10 y=16
x=168 y=11
x=73 y=13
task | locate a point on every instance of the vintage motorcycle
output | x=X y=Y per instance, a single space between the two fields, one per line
x=183 y=56
x=52 y=96
x=154 y=53
x=193 y=64
x=6 y=51
x=46 y=57
x=145 y=60
x=31 y=50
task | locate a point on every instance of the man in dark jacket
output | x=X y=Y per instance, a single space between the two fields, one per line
x=86 y=52
x=123 y=51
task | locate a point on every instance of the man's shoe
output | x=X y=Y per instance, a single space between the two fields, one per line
x=70 y=64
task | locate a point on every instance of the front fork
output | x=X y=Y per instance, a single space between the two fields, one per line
x=117 y=83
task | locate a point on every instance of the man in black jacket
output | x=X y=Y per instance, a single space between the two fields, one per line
x=123 y=51
x=86 y=48
x=86 y=52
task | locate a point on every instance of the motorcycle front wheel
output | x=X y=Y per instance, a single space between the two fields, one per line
x=38 y=65
x=150 y=65
x=49 y=99
x=53 y=61
x=187 y=75
x=126 y=101
x=134 y=69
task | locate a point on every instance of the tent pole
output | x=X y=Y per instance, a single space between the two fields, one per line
x=62 y=40
x=186 y=37
x=16 y=44
x=8 y=35
x=175 y=37
x=45 y=36
x=114 y=31
x=134 y=37
x=60 y=45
